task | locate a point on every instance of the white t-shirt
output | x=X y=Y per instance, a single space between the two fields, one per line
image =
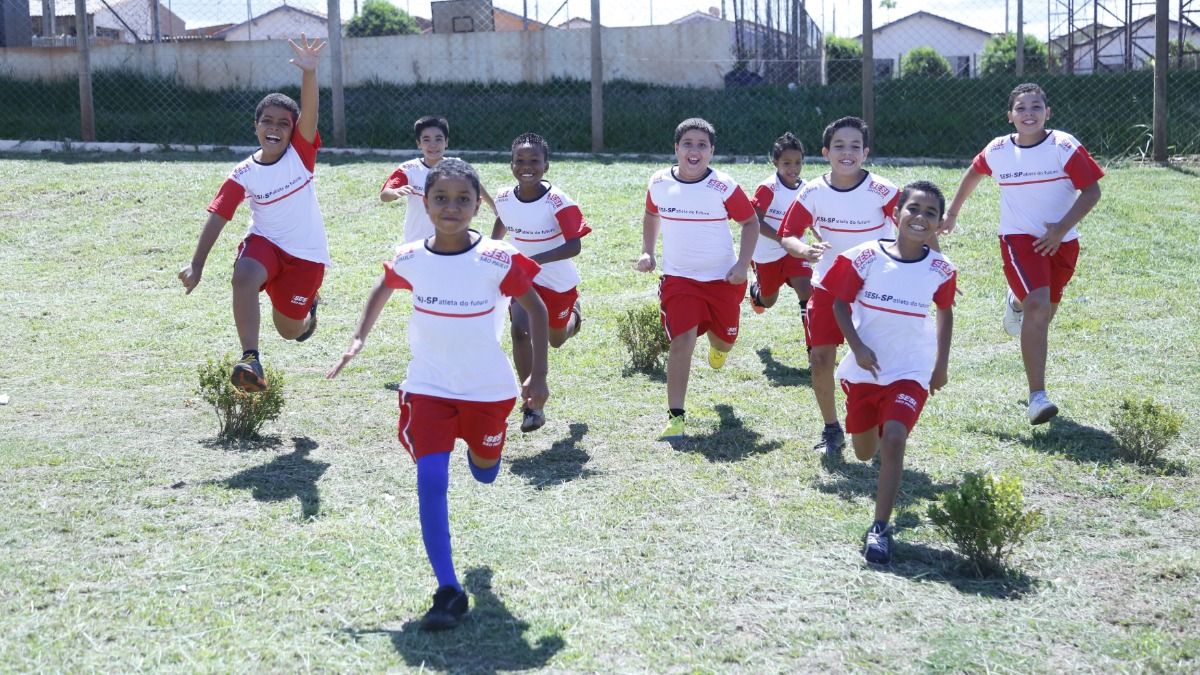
x=453 y=332
x=697 y=243
x=541 y=225
x=772 y=198
x=1038 y=183
x=843 y=218
x=417 y=225
x=282 y=197
x=891 y=303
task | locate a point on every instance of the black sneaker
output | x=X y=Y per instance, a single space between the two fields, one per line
x=248 y=374
x=449 y=607
x=756 y=299
x=312 y=324
x=531 y=420
x=832 y=442
x=878 y=549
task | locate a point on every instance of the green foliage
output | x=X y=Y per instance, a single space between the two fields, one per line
x=640 y=330
x=240 y=414
x=379 y=17
x=985 y=519
x=1144 y=429
x=999 y=55
x=925 y=62
x=843 y=57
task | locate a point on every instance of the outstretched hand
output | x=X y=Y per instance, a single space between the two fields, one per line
x=307 y=52
x=355 y=347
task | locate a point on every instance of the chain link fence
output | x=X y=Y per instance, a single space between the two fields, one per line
x=182 y=72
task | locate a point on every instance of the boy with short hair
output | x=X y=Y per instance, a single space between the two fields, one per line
x=284 y=251
x=432 y=134
x=459 y=383
x=846 y=207
x=1048 y=183
x=546 y=226
x=898 y=357
x=703 y=281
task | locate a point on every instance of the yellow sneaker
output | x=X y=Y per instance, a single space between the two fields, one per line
x=716 y=358
x=674 y=429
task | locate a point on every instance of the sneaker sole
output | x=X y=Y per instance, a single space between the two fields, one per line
x=1048 y=413
x=248 y=381
x=876 y=560
x=539 y=421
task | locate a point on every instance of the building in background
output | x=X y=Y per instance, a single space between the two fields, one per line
x=120 y=21
x=958 y=43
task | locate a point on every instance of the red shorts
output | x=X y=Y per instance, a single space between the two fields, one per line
x=773 y=275
x=703 y=305
x=1027 y=270
x=868 y=406
x=821 y=328
x=292 y=282
x=558 y=305
x=430 y=424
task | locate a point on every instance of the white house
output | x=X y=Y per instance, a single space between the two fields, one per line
x=959 y=43
x=280 y=23
x=1110 y=48
x=118 y=20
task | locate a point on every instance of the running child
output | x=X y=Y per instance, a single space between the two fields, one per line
x=703 y=282
x=546 y=226
x=408 y=180
x=846 y=207
x=284 y=251
x=773 y=267
x=899 y=354
x=459 y=383
x=1048 y=183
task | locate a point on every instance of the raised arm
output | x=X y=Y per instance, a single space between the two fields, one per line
x=307 y=55
x=966 y=186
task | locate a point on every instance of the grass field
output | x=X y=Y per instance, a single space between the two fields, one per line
x=132 y=539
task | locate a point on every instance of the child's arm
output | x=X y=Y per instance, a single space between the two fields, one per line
x=190 y=274
x=741 y=269
x=392 y=194
x=650 y=224
x=568 y=249
x=375 y=303
x=1048 y=243
x=306 y=59
x=966 y=186
x=534 y=391
x=498 y=229
x=763 y=228
x=862 y=353
x=941 y=369
x=487 y=199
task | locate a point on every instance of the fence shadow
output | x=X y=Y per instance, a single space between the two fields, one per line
x=859 y=479
x=1062 y=436
x=563 y=462
x=781 y=374
x=731 y=442
x=490 y=639
x=286 y=476
x=921 y=563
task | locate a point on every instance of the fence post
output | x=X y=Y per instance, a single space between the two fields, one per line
x=868 y=67
x=87 y=114
x=597 y=82
x=1021 y=37
x=1161 y=28
x=335 y=73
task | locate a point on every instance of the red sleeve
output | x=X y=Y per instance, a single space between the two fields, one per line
x=650 y=207
x=306 y=150
x=228 y=197
x=738 y=205
x=572 y=223
x=393 y=280
x=396 y=180
x=1083 y=170
x=843 y=282
x=795 y=221
x=763 y=197
x=944 y=296
x=980 y=165
x=889 y=209
x=520 y=276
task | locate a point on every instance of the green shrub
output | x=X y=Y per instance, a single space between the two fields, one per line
x=925 y=62
x=985 y=519
x=1144 y=429
x=641 y=331
x=843 y=59
x=999 y=55
x=240 y=414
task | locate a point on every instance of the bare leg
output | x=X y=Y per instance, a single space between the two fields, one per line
x=866 y=443
x=718 y=344
x=1035 y=332
x=891 y=468
x=289 y=328
x=248 y=277
x=679 y=367
x=521 y=344
x=822 y=360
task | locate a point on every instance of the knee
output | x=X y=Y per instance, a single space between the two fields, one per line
x=865 y=446
x=821 y=358
x=892 y=443
x=1037 y=304
x=482 y=469
x=519 y=334
x=557 y=338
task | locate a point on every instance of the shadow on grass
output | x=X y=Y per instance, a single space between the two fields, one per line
x=1183 y=169
x=781 y=374
x=253 y=444
x=924 y=563
x=489 y=640
x=563 y=462
x=286 y=476
x=859 y=479
x=1061 y=436
x=392 y=386
x=657 y=374
x=731 y=442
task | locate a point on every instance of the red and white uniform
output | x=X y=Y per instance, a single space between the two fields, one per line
x=417 y=225
x=453 y=333
x=541 y=225
x=1038 y=183
x=283 y=200
x=697 y=243
x=892 y=301
x=772 y=198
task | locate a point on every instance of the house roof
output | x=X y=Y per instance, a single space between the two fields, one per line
x=931 y=15
x=282 y=8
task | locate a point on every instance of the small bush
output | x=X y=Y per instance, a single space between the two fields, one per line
x=925 y=62
x=641 y=331
x=1144 y=429
x=240 y=414
x=985 y=519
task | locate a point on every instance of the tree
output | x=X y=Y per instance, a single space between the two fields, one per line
x=843 y=59
x=1000 y=55
x=924 y=62
x=379 y=17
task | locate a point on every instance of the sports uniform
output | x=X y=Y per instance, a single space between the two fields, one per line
x=844 y=218
x=417 y=225
x=772 y=265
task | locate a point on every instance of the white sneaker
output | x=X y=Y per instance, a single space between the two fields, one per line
x=1041 y=408
x=1012 y=316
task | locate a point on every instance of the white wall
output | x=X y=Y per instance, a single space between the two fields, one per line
x=925 y=31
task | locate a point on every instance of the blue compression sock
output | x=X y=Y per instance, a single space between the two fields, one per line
x=433 y=479
x=484 y=475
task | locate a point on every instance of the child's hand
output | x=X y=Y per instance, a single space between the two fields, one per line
x=736 y=274
x=190 y=278
x=645 y=263
x=403 y=190
x=948 y=224
x=355 y=347
x=307 y=53
x=814 y=252
x=865 y=358
x=939 y=380
x=534 y=393
x=1048 y=243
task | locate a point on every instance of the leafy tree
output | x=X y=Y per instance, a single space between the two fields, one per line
x=843 y=58
x=1000 y=55
x=925 y=62
x=379 y=17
